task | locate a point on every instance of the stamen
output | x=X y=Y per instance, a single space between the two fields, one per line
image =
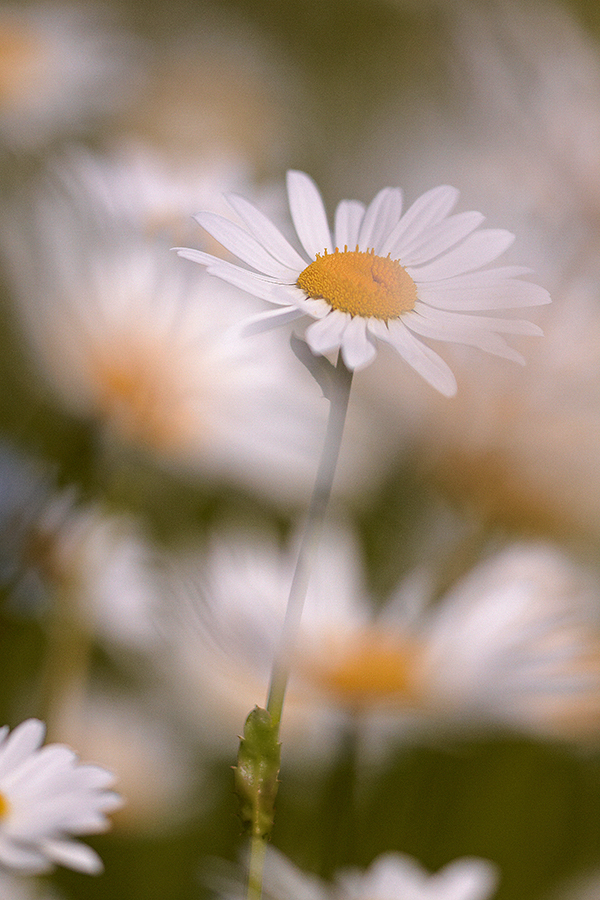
x=360 y=283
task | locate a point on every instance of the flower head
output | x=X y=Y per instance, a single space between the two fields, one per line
x=60 y=69
x=392 y=876
x=46 y=795
x=128 y=342
x=382 y=275
x=514 y=645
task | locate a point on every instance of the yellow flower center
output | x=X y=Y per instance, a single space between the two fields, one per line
x=360 y=283
x=4 y=806
x=370 y=668
x=138 y=395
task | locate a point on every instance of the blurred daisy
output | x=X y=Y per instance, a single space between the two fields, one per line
x=59 y=69
x=515 y=645
x=46 y=796
x=392 y=876
x=128 y=338
x=147 y=191
x=383 y=275
x=516 y=447
x=101 y=567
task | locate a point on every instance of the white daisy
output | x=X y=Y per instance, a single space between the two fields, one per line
x=60 y=68
x=516 y=644
x=392 y=876
x=381 y=275
x=46 y=795
x=126 y=337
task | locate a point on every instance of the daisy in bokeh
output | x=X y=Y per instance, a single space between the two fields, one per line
x=392 y=876
x=382 y=275
x=46 y=796
x=127 y=337
x=60 y=69
x=514 y=645
x=516 y=447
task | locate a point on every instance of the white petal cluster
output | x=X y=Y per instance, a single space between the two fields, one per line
x=61 y=69
x=392 y=876
x=441 y=253
x=514 y=645
x=48 y=796
x=128 y=338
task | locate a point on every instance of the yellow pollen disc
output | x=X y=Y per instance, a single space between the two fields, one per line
x=138 y=396
x=360 y=283
x=369 y=668
x=4 y=806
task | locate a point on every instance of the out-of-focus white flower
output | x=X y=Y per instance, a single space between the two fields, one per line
x=531 y=79
x=103 y=568
x=515 y=645
x=395 y=875
x=381 y=276
x=60 y=68
x=128 y=336
x=46 y=796
x=519 y=447
x=517 y=641
x=139 y=188
x=392 y=876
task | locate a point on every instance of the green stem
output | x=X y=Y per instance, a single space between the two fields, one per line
x=310 y=540
x=258 y=849
x=339 y=395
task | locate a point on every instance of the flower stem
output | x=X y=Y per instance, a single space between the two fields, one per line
x=339 y=396
x=258 y=849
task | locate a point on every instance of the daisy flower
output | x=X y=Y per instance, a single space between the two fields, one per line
x=389 y=877
x=60 y=69
x=382 y=275
x=46 y=795
x=125 y=337
x=515 y=645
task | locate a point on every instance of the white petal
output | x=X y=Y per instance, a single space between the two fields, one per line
x=440 y=238
x=429 y=209
x=485 y=323
x=358 y=350
x=74 y=855
x=308 y=214
x=326 y=334
x=25 y=859
x=477 y=250
x=244 y=246
x=348 y=217
x=265 y=321
x=475 y=279
x=22 y=741
x=250 y=282
x=466 y=879
x=458 y=333
x=422 y=358
x=381 y=217
x=502 y=295
x=266 y=233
